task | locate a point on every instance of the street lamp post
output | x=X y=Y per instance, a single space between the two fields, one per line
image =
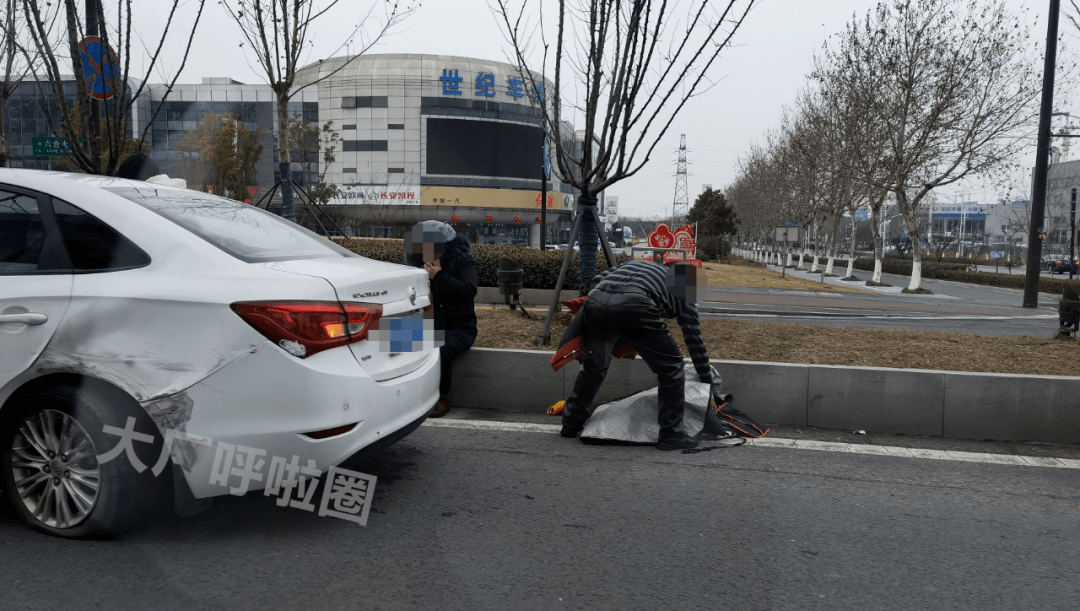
x=1042 y=154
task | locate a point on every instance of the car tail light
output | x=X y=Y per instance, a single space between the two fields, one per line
x=304 y=328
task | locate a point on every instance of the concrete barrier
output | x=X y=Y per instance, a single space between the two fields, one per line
x=952 y=404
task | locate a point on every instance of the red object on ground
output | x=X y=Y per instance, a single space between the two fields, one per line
x=571 y=350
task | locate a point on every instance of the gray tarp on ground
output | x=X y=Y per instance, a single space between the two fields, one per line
x=633 y=419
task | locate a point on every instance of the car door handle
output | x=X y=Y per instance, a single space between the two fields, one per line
x=29 y=318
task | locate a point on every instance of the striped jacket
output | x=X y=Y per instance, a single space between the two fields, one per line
x=650 y=277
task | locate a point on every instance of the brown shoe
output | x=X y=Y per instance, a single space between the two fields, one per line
x=441 y=408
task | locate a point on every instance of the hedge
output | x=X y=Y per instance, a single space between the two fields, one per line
x=903 y=267
x=955 y=272
x=541 y=267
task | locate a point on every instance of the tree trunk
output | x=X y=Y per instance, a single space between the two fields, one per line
x=908 y=210
x=814 y=261
x=876 y=231
x=588 y=242
x=916 y=260
x=851 y=249
x=288 y=210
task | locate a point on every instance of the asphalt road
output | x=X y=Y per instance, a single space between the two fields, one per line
x=951 y=306
x=483 y=519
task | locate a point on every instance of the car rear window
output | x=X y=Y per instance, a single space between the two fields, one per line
x=244 y=231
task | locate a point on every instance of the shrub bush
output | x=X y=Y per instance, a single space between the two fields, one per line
x=541 y=267
x=903 y=267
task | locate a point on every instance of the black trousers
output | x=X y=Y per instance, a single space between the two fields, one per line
x=632 y=316
x=456 y=342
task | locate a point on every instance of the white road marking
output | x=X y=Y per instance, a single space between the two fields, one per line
x=841 y=314
x=802 y=444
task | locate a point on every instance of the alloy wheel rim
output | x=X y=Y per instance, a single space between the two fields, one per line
x=55 y=469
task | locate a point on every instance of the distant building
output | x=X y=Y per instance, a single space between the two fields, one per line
x=423 y=137
x=439 y=136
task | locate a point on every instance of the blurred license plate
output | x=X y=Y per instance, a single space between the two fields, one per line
x=409 y=332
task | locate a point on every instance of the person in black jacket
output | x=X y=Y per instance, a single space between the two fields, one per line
x=629 y=304
x=447 y=257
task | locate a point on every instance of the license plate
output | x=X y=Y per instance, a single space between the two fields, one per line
x=409 y=332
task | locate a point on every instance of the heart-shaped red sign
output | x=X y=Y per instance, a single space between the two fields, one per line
x=661 y=237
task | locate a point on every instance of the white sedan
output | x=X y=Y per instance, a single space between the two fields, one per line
x=156 y=340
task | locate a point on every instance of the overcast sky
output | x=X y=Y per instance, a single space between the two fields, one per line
x=758 y=76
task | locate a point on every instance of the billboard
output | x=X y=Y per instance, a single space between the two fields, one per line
x=490 y=198
x=611 y=209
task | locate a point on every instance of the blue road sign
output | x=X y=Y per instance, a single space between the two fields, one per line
x=99 y=66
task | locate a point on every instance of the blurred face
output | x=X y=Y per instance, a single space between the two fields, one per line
x=430 y=253
x=687 y=282
x=423 y=246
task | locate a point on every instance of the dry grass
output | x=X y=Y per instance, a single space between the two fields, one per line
x=789 y=343
x=755 y=276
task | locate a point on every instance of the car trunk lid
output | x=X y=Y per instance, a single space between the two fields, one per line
x=401 y=291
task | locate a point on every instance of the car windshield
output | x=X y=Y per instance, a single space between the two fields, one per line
x=244 y=231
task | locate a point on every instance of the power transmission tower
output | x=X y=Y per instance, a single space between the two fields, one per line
x=681 y=207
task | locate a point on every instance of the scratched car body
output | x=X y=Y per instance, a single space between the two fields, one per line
x=207 y=334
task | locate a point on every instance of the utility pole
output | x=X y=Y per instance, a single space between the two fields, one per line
x=1072 y=231
x=1042 y=153
x=543 y=197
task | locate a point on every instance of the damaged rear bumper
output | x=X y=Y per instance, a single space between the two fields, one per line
x=256 y=413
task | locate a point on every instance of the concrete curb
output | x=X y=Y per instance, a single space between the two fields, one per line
x=950 y=404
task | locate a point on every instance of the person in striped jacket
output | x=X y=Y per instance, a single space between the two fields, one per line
x=629 y=304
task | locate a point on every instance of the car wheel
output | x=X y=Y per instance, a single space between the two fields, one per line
x=50 y=446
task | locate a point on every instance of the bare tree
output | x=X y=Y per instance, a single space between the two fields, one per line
x=625 y=69
x=316 y=146
x=99 y=130
x=17 y=56
x=948 y=83
x=278 y=34
x=760 y=196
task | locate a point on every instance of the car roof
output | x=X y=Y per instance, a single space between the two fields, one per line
x=47 y=180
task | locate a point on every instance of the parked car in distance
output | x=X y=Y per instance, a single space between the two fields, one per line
x=1063 y=265
x=161 y=341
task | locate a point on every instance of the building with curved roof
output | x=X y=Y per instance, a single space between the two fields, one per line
x=437 y=136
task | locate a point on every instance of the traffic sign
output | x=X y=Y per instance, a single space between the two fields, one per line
x=547 y=162
x=99 y=66
x=50 y=147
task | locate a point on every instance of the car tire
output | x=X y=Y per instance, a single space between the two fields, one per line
x=90 y=498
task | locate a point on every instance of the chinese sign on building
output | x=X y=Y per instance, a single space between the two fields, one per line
x=488 y=85
x=398 y=195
